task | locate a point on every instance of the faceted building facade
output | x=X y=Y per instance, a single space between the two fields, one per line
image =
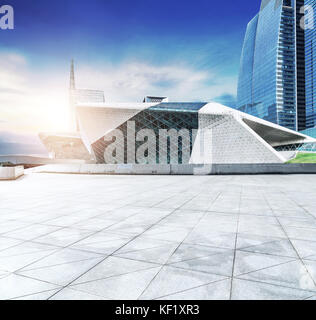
x=182 y=133
x=272 y=72
x=65 y=146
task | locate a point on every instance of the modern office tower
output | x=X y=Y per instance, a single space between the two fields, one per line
x=272 y=72
x=310 y=67
x=300 y=66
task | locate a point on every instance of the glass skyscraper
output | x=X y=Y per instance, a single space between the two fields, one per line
x=310 y=54
x=272 y=71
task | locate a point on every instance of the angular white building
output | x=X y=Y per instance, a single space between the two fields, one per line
x=182 y=133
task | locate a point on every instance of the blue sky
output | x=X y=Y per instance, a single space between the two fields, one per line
x=188 y=50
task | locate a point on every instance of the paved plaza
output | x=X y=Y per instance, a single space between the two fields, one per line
x=158 y=237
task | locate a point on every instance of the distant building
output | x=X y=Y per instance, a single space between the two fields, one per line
x=80 y=96
x=310 y=132
x=150 y=99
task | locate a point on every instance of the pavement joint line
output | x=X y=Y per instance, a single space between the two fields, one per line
x=137 y=236
x=236 y=239
x=199 y=271
x=80 y=291
x=177 y=247
x=265 y=253
x=116 y=275
x=301 y=260
x=265 y=268
x=64 y=247
x=28 y=295
x=200 y=286
x=55 y=265
x=276 y=285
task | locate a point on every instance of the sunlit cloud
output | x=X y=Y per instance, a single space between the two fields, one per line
x=131 y=81
x=30 y=102
x=34 y=101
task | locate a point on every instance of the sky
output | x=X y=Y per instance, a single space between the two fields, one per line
x=186 y=50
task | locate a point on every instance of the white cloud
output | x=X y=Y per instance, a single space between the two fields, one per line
x=11 y=79
x=132 y=81
x=38 y=101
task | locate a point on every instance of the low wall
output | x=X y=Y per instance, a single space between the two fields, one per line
x=190 y=169
x=33 y=160
x=11 y=173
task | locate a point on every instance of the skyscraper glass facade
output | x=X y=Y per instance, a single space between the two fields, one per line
x=300 y=66
x=310 y=64
x=268 y=79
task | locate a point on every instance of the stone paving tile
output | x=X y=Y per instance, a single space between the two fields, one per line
x=277 y=247
x=11 y=226
x=32 y=232
x=101 y=247
x=116 y=287
x=162 y=237
x=16 y=262
x=159 y=255
x=39 y=296
x=113 y=266
x=304 y=248
x=214 y=239
x=64 y=237
x=70 y=294
x=298 y=222
x=95 y=224
x=292 y=274
x=219 y=290
x=23 y=247
x=250 y=290
x=61 y=274
x=220 y=263
x=245 y=240
x=190 y=252
x=141 y=243
x=300 y=233
x=171 y=280
x=62 y=256
x=13 y=286
x=311 y=268
x=246 y=262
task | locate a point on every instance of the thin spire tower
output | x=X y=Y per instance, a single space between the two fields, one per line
x=72 y=99
x=72 y=85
